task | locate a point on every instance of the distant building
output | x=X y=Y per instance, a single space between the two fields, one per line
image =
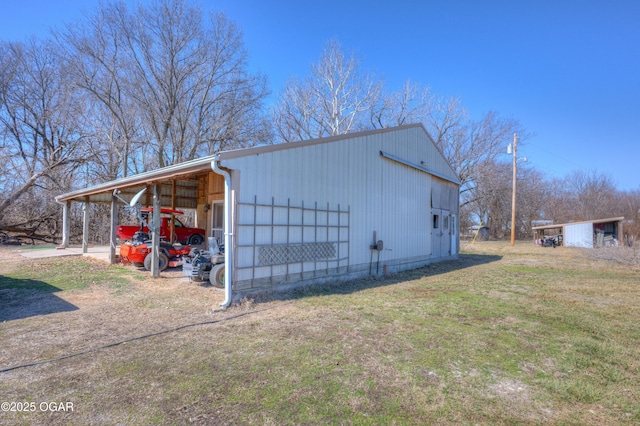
x=480 y=233
x=588 y=234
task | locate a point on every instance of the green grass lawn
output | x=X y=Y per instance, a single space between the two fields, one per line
x=505 y=335
x=63 y=274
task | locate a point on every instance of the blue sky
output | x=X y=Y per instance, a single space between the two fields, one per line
x=568 y=70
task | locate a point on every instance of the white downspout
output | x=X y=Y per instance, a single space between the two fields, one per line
x=228 y=249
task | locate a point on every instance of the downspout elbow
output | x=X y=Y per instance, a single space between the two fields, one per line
x=228 y=249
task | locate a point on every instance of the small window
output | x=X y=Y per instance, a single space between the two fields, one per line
x=445 y=222
x=218 y=216
x=435 y=221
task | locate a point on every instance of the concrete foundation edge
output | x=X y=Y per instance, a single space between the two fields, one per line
x=283 y=283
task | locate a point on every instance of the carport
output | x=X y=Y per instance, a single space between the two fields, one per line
x=191 y=185
x=588 y=234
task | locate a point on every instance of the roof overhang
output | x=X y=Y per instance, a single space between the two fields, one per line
x=418 y=167
x=182 y=179
x=562 y=225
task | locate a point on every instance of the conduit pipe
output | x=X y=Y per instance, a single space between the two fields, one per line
x=228 y=249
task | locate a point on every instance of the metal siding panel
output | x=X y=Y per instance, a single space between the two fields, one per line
x=445 y=195
x=386 y=197
x=406 y=192
x=579 y=235
x=364 y=177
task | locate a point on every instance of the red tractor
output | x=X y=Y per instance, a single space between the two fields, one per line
x=138 y=248
x=168 y=224
x=137 y=251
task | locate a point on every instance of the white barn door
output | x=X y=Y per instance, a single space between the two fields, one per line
x=446 y=233
x=442 y=226
x=436 y=233
x=454 y=235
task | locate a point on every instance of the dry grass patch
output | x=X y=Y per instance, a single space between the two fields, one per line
x=502 y=336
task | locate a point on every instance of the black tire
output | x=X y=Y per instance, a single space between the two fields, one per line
x=163 y=262
x=196 y=240
x=216 y=276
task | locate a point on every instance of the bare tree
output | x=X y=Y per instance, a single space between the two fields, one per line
x=629 y=204
x=593 y=194
x=411 y=104
x=338 y=96
x=531 y=199
x=557 y=204
x=170 y=78
x=470 y=146
x=333 y=100
x=40 y=127
x=489 y=200
x=97 y=63
x=584 y=195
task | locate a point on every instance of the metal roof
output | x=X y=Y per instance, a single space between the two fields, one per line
x=139 y=181
x=562 y=225
x=418 y=167
x=189 y=169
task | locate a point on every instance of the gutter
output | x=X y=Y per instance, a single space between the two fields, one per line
x=228 y=265
x=418 y=167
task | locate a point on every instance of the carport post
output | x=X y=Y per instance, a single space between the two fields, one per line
x=85 y=227
x=112 y=233
x=155 y=239
x=66 y=227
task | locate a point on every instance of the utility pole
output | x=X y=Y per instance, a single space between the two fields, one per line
x=513 y=193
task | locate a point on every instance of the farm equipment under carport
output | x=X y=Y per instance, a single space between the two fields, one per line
x=206 y=265
x=138 y=249
x=550 y=241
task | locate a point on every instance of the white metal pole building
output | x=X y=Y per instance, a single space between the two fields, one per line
x=328 y=209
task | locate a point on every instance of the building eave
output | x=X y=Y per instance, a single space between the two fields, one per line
x=143 y=179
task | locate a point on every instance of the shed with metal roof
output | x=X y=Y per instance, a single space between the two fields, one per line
x=587 y=234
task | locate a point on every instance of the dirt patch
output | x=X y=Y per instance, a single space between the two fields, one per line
x=38 y=325
x=9 y=259
x=137 y=350
x=512 y=390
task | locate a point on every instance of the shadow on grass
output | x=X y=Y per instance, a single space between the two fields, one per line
x=24 y=298
x=346 y=287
